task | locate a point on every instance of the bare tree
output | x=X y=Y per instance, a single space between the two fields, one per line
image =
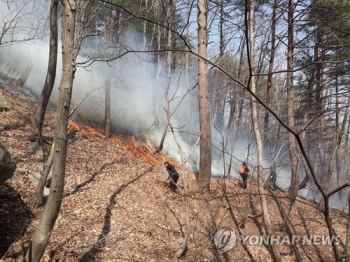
x=107 y=108
x=169 y=12
x=184 y=248
x=271 y=68
x=39 y=114
x=203 y=100
x=259 y=144
x=42 y=233
x=18 y=26
x=294 y=185
x=347 y=245
x=43 y=101
x=15 y=16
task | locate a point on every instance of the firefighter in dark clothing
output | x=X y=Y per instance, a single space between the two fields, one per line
x=244 y=172
x=271 y=180
x=173 y=176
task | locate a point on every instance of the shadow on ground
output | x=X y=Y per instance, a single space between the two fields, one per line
x=101 y=241
x=15 y=217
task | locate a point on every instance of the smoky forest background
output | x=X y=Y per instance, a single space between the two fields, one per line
x=204 y=84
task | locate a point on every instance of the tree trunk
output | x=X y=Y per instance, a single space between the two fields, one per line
x=44 y=23
x=294 y=184
x=159 y=60
x=220 y=96
x=259 y=144
x=23 y=78
x=107 y=109
x=167 y=110
x=52 y=208
x=168 y=61
x=307 y=111
x=234 y=106
x=43 y=177
x=144 y=36
x=347 y=245
x=338 y=139
x=154 y=91
x=39 y=114
x=320 y=107
x=271 y=66
x=203 y=100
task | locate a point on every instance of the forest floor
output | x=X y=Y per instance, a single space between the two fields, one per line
x=118 y=207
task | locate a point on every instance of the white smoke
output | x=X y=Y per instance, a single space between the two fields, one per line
x=137 y=98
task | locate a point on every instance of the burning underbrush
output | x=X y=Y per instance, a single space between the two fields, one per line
x=129 y=143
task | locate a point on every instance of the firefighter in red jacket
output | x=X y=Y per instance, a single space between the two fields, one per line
x=244 y=172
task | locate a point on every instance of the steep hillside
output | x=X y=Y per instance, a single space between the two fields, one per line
x=118 y=207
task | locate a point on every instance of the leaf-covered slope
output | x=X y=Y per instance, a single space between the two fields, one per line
x=117 y=207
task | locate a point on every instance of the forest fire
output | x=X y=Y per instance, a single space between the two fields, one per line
x=137 y=150
x=84 y=129
x=128 y=142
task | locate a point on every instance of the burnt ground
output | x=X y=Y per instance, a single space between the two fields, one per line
x=118 y=207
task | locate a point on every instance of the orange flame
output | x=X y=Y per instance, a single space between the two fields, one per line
x=84 y=129
x=129 y=143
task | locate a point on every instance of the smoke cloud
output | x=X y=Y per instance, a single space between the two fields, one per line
x=137 y=98
x=137 y=94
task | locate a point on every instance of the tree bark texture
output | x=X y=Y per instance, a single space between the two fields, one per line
x=259 y=143
x=39 y=115
x=320 y=107
x=347 y=243
x=169 y=12
x=307 y=111
x=52 y=208
x=271 y=67
x=43 y=177
x=294 y=184
x=203 y=100
x=107 y=109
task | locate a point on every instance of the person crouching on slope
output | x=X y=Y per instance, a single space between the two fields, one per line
x=173 y=176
